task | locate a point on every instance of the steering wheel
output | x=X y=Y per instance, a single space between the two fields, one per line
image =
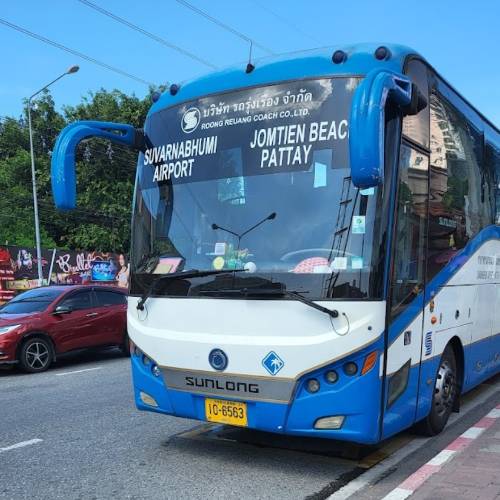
x=312 y=252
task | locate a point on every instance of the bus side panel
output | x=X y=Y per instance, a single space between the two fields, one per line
x=495 y=339
x=478 y=353
x=403 y=372
x=441 y=324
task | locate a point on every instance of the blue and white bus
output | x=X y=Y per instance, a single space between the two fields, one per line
x=315 y=245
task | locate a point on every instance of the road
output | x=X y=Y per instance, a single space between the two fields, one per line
x=73 y=432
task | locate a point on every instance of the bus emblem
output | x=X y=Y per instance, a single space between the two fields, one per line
x=190 y=120
x=273 y=363
x=428 y=343
x=218 y=359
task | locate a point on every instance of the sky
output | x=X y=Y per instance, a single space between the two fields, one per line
x=460 y=38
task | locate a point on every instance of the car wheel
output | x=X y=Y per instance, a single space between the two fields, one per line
x=125 y=347
x=444 y=397
x=36 y=355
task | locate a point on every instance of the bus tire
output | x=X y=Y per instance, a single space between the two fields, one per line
x=444 y=397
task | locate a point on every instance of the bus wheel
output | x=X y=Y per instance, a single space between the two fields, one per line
x=444 y=397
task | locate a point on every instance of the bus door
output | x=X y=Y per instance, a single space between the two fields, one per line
x=406 y=291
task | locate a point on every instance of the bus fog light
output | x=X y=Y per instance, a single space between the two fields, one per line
x=334 y=422
x=312 y=385
x=156 y=371
x=331 y=376
x=350 y=368
x=145 y=360
x=147 y=399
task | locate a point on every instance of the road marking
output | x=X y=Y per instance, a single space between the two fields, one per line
x=22 y=444
x=373 y=475
x=442 y=457
x=78 y=371
x=198 y=431
x=398 y=494
x=495 y=413
x=473 y=432
x=420 y=476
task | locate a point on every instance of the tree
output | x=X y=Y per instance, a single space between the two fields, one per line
x=105 y=175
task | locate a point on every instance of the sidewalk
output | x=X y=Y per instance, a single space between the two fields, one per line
x=468 y=468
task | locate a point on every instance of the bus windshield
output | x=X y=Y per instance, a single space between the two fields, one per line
x=257 y=179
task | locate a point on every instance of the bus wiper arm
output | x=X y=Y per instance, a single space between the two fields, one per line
x=308 y=302
x=192 y=273
x=268 y=292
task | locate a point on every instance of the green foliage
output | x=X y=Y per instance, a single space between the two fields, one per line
x=105 y=176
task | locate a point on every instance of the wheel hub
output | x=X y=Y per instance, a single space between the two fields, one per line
x=444 y=392
x=37 y=355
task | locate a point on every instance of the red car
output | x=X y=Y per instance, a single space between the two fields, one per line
x=39 y=324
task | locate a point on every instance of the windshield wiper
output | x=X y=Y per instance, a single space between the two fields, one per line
x=191 y=273
x=278 y=291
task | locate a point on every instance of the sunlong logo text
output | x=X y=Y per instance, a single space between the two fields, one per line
x=225 y=385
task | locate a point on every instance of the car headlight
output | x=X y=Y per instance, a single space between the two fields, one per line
x=7 y=329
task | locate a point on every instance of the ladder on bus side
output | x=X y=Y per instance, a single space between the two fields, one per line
x=341 y=228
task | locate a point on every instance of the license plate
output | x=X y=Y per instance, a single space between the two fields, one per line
x=226 y=412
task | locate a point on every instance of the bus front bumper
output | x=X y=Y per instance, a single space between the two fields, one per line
x=355 y=397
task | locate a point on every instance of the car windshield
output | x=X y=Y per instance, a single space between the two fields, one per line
x=31 y=301
x=256 y=179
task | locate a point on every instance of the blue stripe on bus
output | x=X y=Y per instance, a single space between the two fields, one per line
x=413 y=309
x=486 y=352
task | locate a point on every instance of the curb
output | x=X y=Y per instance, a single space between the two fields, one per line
x=434 y=465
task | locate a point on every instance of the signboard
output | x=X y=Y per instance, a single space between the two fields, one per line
x=261 y=130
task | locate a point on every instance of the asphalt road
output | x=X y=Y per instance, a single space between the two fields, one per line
x=79 y=436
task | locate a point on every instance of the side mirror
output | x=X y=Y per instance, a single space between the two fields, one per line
x=62 y=310
x=367 y=122
x=63 y=173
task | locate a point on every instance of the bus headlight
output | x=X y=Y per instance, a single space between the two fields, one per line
x=350 y=368
x=156 y=370
x=147 y=399
x=334 y=422
x=331 y=376
x=312 y=385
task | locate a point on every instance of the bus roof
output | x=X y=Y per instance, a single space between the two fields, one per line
x=307 y=64
x=297 y=65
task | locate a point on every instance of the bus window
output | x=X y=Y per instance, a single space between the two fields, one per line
x=458 y=207
x=416 y=127
x=411 y=212
x=492 y=167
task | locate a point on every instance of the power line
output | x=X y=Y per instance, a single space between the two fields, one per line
x=154 y=37
x=224 y=26
x=74 y=52
x=286 y=21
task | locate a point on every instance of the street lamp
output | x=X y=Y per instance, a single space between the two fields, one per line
x=72 y=69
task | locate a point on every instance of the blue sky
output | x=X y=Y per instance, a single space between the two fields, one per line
x=460 y=38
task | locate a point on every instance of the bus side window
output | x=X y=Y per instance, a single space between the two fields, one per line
x=410 y=234
x=416 y=127
x=492 y=167
x=459 y=201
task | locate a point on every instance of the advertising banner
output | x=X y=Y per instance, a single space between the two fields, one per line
x=19 y=268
